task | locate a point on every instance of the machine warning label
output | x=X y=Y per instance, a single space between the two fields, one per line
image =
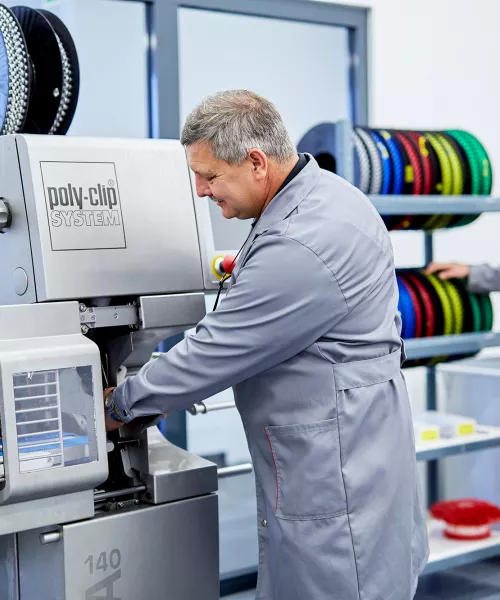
x=83 y=205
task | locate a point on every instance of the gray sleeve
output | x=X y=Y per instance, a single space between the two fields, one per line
x=484 y=279
x=284 y=299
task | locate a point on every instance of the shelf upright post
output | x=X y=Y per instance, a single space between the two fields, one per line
x=343 y=143
x=431 y=393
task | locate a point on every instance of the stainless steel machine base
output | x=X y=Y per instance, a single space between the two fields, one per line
x=169 y=551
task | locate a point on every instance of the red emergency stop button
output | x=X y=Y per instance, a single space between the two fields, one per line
x=228 y=264
x=223 y=265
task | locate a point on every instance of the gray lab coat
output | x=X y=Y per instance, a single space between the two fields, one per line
x=309 y=337
x=484 y=279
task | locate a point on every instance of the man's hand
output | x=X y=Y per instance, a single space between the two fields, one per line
x=448 y=270
x=111 y=424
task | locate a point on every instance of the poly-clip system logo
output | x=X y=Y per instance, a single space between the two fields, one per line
x=83 y=205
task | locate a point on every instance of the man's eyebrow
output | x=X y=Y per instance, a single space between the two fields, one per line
x=201 y=173
x=205 y=175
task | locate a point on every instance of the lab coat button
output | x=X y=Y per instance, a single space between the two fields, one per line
x=263 y=523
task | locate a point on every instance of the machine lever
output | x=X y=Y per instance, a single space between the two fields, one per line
x=50 y=537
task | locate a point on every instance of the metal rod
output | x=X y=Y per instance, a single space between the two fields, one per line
x=100 y=496
x=235 y=470
x=200 y=408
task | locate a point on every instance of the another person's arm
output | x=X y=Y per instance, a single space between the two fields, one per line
x=481 y=278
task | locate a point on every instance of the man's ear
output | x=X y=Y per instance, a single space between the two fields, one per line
x=259 y=163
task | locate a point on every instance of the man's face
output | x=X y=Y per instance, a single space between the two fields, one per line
x=239 y=190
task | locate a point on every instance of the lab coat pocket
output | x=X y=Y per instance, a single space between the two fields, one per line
x=309 y=482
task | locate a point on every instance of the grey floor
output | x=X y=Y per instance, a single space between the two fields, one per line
x=479 y=581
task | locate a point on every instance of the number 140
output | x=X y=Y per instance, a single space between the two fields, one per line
x=104 y=561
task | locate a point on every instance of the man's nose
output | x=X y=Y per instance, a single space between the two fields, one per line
x=202 y=188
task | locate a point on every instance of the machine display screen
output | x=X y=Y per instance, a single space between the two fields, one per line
x=55 y=417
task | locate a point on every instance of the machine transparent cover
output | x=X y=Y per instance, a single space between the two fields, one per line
x=55 y=418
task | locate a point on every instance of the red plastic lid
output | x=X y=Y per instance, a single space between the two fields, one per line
x=466 y=512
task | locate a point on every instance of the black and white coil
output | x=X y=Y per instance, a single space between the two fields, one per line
x=39 y=72
x=16 y=86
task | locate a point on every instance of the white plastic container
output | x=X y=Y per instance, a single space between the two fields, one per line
x=450 y=425
x=425 y=432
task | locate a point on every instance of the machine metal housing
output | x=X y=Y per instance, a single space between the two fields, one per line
x=102 y=261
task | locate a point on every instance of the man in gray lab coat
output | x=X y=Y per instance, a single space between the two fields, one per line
x=481 y=279
x=308 y=336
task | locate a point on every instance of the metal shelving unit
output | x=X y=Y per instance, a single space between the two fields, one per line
x=425 y=205
x=449 y=345
x=445 y=553
x=485 y=437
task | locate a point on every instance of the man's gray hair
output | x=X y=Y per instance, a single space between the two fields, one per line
x=235 y=121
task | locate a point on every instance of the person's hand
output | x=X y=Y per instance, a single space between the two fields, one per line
x=111 y=424
x=448 y=270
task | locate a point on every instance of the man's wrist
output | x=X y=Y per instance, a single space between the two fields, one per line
x=111 y=409
x=120 y=416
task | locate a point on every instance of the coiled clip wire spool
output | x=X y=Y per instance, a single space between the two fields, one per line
x=16 y=76
x=448 y=312
x=398 y=176
x=407 y=311
x=55 y=67
x=487 y=311
x=456 y=304
x=417 y=177
x=428 y=309
x=437 y=221
x=375 y=161
x=457 y=178
x=363 y=175
x=479 y=164
x=386 y=162
x=484 y=161
x=418 y=307
x=449 y=321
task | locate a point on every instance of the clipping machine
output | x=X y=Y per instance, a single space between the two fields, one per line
x=101 y=260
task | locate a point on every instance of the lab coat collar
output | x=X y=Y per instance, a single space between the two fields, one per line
x=287 y=200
